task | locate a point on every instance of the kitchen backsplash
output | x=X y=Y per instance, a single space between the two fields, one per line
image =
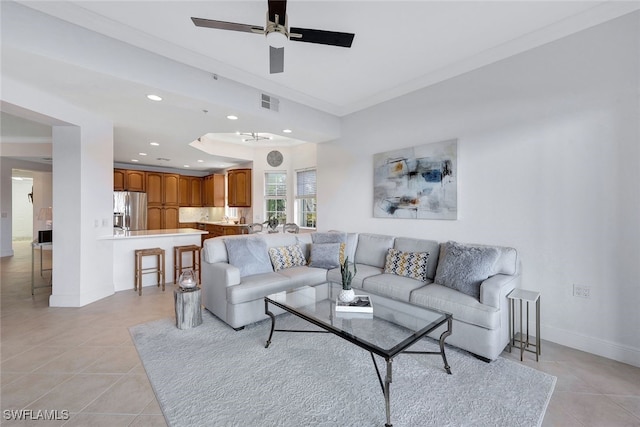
x=200 y=214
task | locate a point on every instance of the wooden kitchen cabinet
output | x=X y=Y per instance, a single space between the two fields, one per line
x=119 y=177
x=129 y=180
x=160 y=218
x=190 y=191
x=195 y=184
x=239 y=188
x=136 y=180
x=163 y=201
x=213 y=191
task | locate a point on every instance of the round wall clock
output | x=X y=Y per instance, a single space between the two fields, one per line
x=274 y=158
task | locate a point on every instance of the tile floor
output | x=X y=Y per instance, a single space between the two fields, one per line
x=83 y=360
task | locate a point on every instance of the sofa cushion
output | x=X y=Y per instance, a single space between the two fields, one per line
x=286 y=257
x=304 y=276
x=257 y=286
x=392 y=286
x=409 y=244
x=364 y=271
x=249 y=255
x=326 y=255
x=464 y=267
x=372 y=249
x=407 y=264
x=464 y=308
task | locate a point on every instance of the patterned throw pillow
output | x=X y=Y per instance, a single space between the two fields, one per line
x=286 y=257
x=408 y=264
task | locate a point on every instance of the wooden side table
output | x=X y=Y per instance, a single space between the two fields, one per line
x=524 y=343
x=188 y=307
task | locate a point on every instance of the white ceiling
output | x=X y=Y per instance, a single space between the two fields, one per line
x=399 y=47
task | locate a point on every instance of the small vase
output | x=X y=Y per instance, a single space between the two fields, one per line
x=347 y=295
x=187 y=280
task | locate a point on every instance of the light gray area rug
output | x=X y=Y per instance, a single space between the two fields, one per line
x=212 y=375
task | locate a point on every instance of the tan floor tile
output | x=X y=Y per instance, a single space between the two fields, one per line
x=557 y=416
x=31 y=387
x=595 y=410
x=32 y=359
x=630 y=403
x=76 y=393
x=9 y=377
x=115 y=360
x=73 y=360
x=130 y=395
x=100 y=420
x=110 y=337
x=153 y=408
x=149 y=421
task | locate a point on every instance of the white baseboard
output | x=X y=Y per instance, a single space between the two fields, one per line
x=610 y=350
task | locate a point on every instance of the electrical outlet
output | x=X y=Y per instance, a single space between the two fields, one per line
x=582 y=291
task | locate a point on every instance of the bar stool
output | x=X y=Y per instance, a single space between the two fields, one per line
x=177 y=261
x=158 y=269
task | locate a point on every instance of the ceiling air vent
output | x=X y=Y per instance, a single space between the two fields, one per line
x=270 y=102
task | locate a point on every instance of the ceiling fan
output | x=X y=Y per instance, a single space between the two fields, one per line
x=276 y=28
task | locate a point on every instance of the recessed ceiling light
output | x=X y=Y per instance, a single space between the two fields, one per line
x=186 y=166
x=134 y=160
x=142 y=154
x=154 y=97
x=200 y=161
x=155 y=144
x=232 y=117
x=287 y=130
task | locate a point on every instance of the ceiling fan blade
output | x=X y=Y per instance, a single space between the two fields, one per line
x=277 y=7
x=223 y=25
x=332 y=38
x=276 y=60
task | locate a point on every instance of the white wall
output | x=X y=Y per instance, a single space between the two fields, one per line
x=294 y=158
x=549 y=161
x=82 y=193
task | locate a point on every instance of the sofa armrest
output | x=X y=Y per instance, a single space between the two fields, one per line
x=216 y=278
x=223 y=274
x=494 y=290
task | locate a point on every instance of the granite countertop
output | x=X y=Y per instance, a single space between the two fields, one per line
x=121 y=234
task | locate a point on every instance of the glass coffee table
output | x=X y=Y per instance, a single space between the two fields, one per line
x=386 y=332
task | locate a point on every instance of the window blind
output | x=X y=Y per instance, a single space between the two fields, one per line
x=306 y=184
x=275 y=184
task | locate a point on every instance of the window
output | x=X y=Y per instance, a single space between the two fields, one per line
x=275 y=196
x=306 y=198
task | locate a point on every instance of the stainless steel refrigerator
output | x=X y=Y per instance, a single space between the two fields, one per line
x=132 y=206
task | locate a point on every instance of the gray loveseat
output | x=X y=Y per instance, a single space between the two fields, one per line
x=480 y=322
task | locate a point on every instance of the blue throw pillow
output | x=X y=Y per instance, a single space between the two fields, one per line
x=249 y=255
x=329 y=237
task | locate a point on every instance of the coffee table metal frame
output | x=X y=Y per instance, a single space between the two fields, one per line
x=386 y=354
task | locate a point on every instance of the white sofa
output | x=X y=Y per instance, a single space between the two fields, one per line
x=480 y=326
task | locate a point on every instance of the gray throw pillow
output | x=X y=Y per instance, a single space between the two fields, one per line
x=249 y=254
x=326 y=255
x=464 y=268
x=329 y=237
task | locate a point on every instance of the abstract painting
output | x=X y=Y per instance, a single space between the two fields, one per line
x=417 y=182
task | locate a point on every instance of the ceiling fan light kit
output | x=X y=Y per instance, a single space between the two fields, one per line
x=277 y=32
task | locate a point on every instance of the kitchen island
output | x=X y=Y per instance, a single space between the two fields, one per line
x=126 y=242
